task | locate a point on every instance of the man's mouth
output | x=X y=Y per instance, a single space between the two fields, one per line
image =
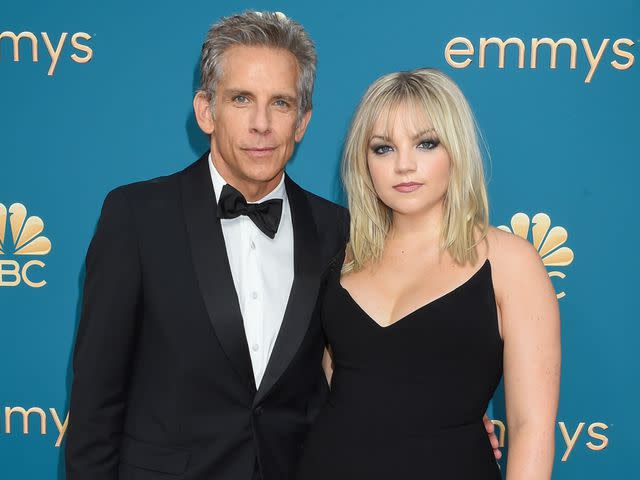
x=259 y=152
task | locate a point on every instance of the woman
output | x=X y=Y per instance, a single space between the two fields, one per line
x=429 y=303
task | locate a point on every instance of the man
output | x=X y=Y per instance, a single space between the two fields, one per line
x=198 y=355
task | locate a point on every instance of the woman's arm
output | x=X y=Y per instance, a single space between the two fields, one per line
x=530 y=323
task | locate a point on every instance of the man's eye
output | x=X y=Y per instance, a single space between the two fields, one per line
x=381 y=149
x=240 y=99
x=428 y=144
x=281 y=103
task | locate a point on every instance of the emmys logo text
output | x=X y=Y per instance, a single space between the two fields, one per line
x=570 y=436
x=26 y=421
x=460 y=51
x=54 y=46
x=27 y=418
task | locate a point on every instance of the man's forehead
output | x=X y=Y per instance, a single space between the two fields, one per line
x=252 y=56
x=258 y=69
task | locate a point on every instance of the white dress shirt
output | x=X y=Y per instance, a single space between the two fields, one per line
x=262 y=270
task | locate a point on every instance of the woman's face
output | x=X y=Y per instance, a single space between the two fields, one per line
x=408 y=165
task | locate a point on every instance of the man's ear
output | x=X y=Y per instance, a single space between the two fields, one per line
x=302 y=126
x=204 y=115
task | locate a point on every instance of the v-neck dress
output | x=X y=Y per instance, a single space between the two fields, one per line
x=407 y=400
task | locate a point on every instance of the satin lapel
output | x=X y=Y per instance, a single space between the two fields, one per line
x=302 y=299
x=211 y=264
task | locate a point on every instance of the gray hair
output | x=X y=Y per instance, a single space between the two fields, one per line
x=269 y=29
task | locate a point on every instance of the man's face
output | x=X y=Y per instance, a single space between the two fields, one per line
x=254 y=129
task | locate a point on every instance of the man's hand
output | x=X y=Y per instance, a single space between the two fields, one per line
x=492 y=437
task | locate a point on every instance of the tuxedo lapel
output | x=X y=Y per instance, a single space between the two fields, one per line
x=304 y=290
x=212 y=268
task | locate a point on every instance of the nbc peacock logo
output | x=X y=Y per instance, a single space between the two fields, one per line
x=20 y=236
x=548 y=241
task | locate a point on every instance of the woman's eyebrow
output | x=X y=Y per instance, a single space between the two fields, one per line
x=423 y=133
x=384 y=138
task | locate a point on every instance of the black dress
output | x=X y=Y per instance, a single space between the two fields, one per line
x=407 y=400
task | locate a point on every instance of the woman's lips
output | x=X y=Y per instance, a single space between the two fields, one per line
x=407 y=187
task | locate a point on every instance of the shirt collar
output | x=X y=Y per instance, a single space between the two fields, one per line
x=219 y=182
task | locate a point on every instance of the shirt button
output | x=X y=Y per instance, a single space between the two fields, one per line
x=254 y=295
x=255 y=347
x=252 y=245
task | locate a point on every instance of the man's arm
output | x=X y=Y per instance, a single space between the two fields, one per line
x=104 y=345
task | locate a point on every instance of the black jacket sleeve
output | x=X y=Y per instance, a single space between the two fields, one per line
x=104 y=345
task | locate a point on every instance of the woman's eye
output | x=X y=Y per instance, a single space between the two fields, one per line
x=240 y=99
x=381 y=149
x=428 y=144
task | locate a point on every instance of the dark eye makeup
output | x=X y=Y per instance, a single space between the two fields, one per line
x=424 y=144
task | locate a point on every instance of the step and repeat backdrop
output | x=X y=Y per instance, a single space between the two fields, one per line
x=97 y=94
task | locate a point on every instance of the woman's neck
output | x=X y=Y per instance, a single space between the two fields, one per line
x=423 y=228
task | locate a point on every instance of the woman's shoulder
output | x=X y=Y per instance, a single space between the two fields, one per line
x=506 y=247
x=515 y=262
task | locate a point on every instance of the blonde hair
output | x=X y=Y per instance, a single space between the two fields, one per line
x=433 y=94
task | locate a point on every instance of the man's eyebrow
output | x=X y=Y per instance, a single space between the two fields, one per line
x=286 y=97
x=234 y=92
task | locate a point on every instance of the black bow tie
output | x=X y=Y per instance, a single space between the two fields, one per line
x=265 y=215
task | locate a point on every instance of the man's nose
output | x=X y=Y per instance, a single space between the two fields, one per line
x=261 y=119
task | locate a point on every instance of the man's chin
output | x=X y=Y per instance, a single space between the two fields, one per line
x=264 y=175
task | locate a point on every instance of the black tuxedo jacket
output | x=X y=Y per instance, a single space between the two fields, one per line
x=163 y=385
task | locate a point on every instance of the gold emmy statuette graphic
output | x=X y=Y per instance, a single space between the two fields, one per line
x=548 y=241
x=25 y=240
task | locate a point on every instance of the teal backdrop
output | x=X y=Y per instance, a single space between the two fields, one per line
x=116 y=108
